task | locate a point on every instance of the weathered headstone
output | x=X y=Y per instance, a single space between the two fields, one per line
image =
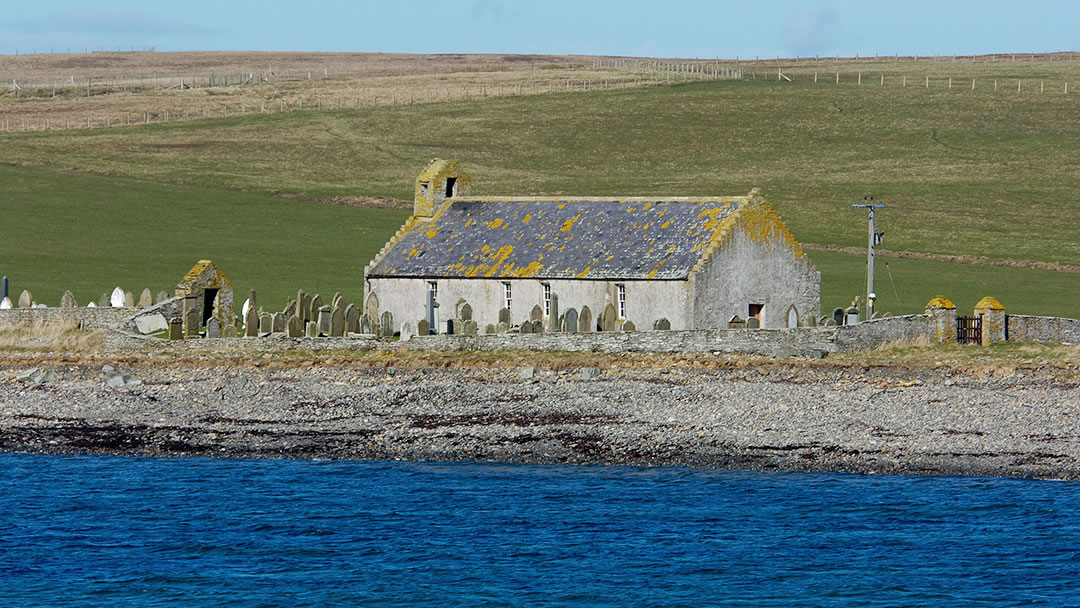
x=3 y=287
x=753 y=323
x=299 y=311
x=536 y=314
x=5 y=304
x=323 y=316
x=161 y=297
x=266 y=323
x=661 y=324
x=116 y=300
x=585 y=320
x=408 y=330
x=527 y=327
x=838 y=316
x=68 y=300
x=736 y=322
x=191 y=327
x=252 y=300
x=176 y=328
x=336 y=301
x=228 y=330
x=337 y=323
x=553 y=307
x=502 y=328
x=8 y=300
x=295 y=326
x=465 y=312
x=537 y=326
x=570 y=320
x=103 y=301
x=469 y=328
x=129 y=300
x=504 y=315
x=489 y=328
x=352 y=319
x=451 y=327
x=213 y=328
x=628 y=326
x=365 y=325
x=251 y=322
x=290 y=309
x=278 y=321
x=312 y=329
x=386 y=324
x=608 y=317
x=371 y=307
x=146 y=299
x=25 y=299
x=423 y=328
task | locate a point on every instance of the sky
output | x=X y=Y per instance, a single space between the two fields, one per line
x=664 y=28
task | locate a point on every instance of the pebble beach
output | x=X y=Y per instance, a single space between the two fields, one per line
x=780 y=416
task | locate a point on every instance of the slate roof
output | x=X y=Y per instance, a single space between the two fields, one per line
x=590 y=238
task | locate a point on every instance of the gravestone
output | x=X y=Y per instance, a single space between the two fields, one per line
x=116 y=300
x=3 y=287
x=322 y=315
x=336 y=301
x=228 y=331
x=661 y=324
x=469 y=328
x=68 y=300
x=570 y=321
x=537 y=327
x=451 y=327
x=290 y=309
x=838 y=316
x=608 y=317
x=504 y=315
x=408 y=330
x=502 y=328
x=251 y=322
x=278 y=321
x=245 y=308
x=628 y=326
x=337 y=323
x=176 y=328
x=103 y=301
x=365 y=325
x=213 y=328
x=526 y=327
x=585 y=320
x=537 y=313
x=266 y=323
x=161 y=297
x=5 y=304
x=423 y=328
x=371 y=307
x=312 y=329
x=251 y=298
x=129 y=300
x=553 y=307
x=489 y=328
x=386 y=324
x=299 y=304
x=191 y=328
x=26 y=300
x=295 y=327
x=753 y=323
x=146 y=299
x=314 y=308
x=735 y=322
x=465 y=312
x=352 y=319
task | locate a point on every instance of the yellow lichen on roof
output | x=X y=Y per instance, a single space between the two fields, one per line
x=940 y=302
x=568 y=224
x=495 y=223
x=989 y=303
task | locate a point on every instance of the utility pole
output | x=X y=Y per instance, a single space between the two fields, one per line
x=872 y=241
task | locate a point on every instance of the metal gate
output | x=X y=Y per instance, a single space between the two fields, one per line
x=969 y=330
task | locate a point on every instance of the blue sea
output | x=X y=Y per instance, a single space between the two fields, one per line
x=118 y=531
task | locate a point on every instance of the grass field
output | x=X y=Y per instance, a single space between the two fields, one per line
x=980 y=173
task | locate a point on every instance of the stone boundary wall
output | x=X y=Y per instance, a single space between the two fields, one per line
x=802 y=341
x=86 y=318
x=1025 y=328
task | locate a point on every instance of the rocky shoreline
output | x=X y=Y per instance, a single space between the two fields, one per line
x=780 y=416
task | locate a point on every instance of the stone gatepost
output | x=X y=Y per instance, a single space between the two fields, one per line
x=943 y=319
x=993 y=320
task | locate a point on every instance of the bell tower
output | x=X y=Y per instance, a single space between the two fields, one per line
x=440 y=181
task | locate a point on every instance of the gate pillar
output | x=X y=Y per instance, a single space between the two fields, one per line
x=993 y=320
x=942 y=314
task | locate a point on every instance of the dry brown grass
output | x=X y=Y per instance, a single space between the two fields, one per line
x=51 y=337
